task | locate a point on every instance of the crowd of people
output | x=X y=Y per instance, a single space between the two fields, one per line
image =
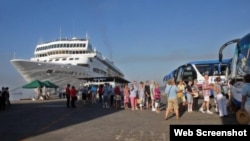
x=143 y=96
x=184 y=97
x=4 y=98
x=181 y=96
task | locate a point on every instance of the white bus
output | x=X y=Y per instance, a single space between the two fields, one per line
x=197 y=69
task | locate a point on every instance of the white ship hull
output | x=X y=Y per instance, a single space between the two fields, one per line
x=60 y=74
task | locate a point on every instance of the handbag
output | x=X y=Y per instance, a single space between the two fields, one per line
x=180 y=94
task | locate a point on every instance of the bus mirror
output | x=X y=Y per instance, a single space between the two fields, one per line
x=220 y=57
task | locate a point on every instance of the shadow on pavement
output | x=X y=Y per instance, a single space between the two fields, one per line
x=26 y=119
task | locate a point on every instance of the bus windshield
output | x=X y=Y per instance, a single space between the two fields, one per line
x=243 y=62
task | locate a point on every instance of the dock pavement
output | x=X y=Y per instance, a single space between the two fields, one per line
x=51 y=120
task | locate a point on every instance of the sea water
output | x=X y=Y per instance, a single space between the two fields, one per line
x=22 y=94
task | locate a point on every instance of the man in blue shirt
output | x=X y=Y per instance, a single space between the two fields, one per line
x=245 y=102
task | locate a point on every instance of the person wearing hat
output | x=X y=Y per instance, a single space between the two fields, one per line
x=245 y=102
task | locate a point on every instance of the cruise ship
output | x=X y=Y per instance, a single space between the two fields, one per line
x=66 y=61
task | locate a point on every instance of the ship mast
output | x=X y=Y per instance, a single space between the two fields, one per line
x=60 y=33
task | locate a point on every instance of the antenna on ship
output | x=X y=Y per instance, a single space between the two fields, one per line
x=86 y=36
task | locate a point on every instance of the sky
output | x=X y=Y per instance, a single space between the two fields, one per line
x=146 y=39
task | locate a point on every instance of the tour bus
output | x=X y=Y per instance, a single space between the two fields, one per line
x=197 y=70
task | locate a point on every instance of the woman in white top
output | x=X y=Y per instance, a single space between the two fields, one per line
x=220 y=98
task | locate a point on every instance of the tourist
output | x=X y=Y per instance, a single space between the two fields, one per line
x=2 y=99
x=157 y=97
x=181 y=95
x=118 y=98
x=89 y=95
x=195 y=90
x=126 y=96
x=152 y=87
x=189 y=95
x=122 y=95
x=171 y=92
x=147 y=95
x=93 y=90
x=8 y=104
x=67 y=92
x=141 y=95
x=220 y=98
x=111 y=95
x=133 y=93
x=206 y=87
x=73 y=96
x=245 y=102
x=137 y=96
x=84 y=92
x=105 y=92
x=100 y=87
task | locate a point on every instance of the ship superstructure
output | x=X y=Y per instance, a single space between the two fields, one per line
x=65 y=61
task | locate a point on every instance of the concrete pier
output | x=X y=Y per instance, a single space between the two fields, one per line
x=51 y=121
